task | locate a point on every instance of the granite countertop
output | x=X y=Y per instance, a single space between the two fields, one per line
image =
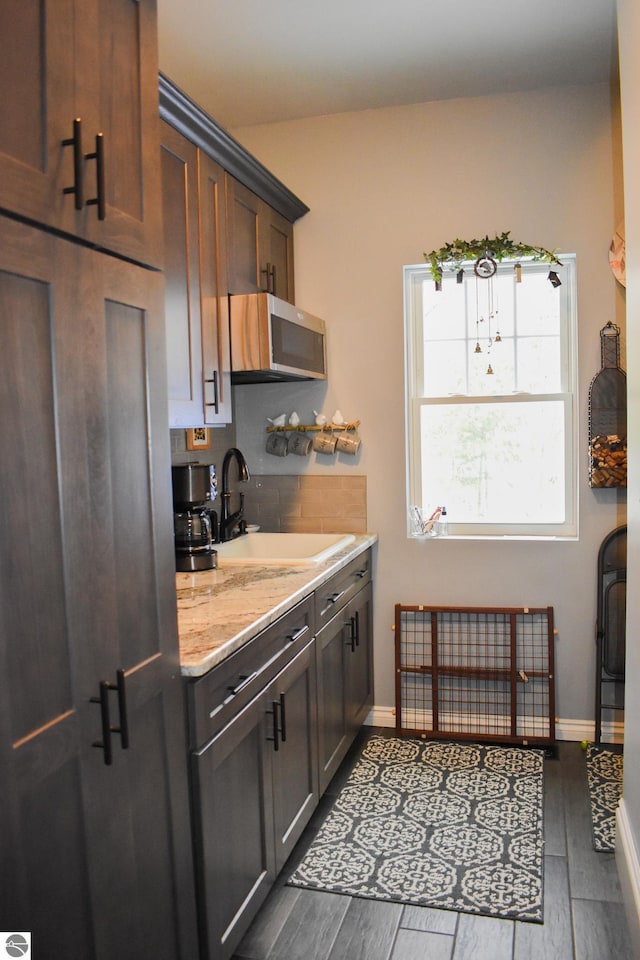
x=219 y=610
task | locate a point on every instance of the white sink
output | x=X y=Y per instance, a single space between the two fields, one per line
x=282 y=547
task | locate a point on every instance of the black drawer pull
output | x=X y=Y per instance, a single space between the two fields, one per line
x=244 y=682
x=356 y=619
x=336 y=596
x=292 y=637
x=362 y=573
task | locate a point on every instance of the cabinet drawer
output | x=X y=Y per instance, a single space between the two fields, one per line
x=214 y=699
x=339 y=590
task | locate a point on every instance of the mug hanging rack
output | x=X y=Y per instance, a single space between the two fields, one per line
x=327 y=427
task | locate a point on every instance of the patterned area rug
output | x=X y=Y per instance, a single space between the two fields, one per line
x=449 y=825
x=604 y=773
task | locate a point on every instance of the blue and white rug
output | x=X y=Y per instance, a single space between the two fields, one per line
x=604 y=773
x=451 y=825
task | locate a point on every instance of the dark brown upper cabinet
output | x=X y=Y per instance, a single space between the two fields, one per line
x=260 y=242
x=260 y=210
x=78 y=121
x=196 y=302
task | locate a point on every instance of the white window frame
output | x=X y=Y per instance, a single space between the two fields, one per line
x=414 y=278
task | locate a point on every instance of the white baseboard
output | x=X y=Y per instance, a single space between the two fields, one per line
x=381 y=717
x=629 y=874
x=565 y=729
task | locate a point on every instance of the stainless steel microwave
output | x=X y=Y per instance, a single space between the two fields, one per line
x=273 y=340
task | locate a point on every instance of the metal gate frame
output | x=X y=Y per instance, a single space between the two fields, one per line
x=481 y=673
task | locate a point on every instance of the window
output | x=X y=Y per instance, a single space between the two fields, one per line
x=491 y=399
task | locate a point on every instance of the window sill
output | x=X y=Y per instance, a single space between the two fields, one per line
x=569 y=538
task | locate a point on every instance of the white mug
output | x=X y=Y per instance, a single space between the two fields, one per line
x=348 y=443
x=325 y=442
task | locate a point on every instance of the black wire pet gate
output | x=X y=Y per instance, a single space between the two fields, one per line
x=481 y=673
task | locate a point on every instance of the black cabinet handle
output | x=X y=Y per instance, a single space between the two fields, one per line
x=214 y=380
x=274 y=739
x=123 y=729
x=270 y=274
x=98 y=156
x=283 y=720
x=105 y=743
x=75 y=141
x=351 y=640
x=356 y=618
x=292 y=637
x=244 y=681
x=105 y=716
x=336 y=596
x=279 y=727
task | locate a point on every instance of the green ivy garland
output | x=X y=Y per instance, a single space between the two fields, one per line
x=501 y=247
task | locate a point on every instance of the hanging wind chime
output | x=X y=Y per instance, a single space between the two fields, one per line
x=485 y=255
x=486 y=268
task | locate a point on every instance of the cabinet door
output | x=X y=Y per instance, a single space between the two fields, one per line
x=333 y=743
x=233 y=819
x=45 y=848
x=243 y=239
x=117 y=496
x=197 y=305
x=94 y=61
x=260 y=245
x=182 y=278
x=216 y=345
x=86 y=582
x=358 y=685
x=124 y=67
x=277 y=256
x=37 y=66
x=291 y=702
x=345 y=680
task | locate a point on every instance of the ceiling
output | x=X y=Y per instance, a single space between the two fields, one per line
x=259 y=61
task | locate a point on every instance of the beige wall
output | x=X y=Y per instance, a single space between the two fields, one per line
x=384 y=186
x=628 y=842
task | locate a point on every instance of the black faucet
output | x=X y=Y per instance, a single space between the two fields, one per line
x=232 y=524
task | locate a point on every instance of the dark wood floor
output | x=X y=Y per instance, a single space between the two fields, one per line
x=584 y=915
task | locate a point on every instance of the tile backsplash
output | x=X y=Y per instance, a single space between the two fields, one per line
x=307 y=504
x=326 y=503
x=221 y=438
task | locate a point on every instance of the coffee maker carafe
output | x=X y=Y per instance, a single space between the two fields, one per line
x=194 y=522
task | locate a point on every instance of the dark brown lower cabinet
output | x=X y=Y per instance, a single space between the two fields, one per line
x=255 y=788
x=345 y=680
x=94 y=809
x=269 y=727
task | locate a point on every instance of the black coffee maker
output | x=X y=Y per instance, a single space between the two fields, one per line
x=195 y=524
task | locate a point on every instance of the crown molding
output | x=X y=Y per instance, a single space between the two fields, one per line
x=178 y=109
